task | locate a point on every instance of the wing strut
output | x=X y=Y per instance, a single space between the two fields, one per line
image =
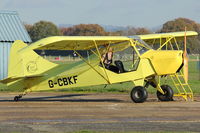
x=168 y=39
x=91 y=66
x=99 y=55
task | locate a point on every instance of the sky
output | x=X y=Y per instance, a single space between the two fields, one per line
x=136 y=13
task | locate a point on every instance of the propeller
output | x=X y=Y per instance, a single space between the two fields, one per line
x=185 y=59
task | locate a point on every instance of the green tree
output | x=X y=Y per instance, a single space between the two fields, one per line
x=179 y=24
x=84 y=30
x=142 y=31
x=43 y=29
x=132 y=31
x=28 y=27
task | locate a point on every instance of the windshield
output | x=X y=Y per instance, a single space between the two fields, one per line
x=141 y=46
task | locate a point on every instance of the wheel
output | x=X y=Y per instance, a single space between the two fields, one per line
x=139 y=94
x=168 y=96
x=16 y=98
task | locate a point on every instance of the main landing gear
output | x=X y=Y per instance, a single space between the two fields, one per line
x=168 y=93
x=139 y=94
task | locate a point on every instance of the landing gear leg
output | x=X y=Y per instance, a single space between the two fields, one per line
x=168 y=93
x=164 y=92
x=17 y=98
x=139 y=93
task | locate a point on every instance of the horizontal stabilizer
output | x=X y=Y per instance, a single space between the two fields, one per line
x=8 y=80
x=12 y=79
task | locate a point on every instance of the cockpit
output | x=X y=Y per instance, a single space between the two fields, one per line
x=126 y=55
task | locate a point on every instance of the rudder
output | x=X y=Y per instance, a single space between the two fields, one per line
x=15 y=62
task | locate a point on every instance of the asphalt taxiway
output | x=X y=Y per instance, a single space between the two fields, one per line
x=68 y=112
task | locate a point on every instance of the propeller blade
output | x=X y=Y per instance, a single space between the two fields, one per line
x=185 y=59
x=185 y=69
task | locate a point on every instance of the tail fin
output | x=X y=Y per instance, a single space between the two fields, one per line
x=26 y=62
x=15 y=62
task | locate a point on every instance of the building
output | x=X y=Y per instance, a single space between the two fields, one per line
x=11 y=29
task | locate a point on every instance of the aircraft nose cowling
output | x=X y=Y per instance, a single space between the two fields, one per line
x=165 y=61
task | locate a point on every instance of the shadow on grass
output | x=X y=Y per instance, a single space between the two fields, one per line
x=64 y=98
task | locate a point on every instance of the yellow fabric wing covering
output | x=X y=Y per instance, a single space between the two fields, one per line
x=88 y=42
x=165 y=35
x=76 y=42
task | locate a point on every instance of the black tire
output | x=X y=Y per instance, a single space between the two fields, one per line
x=168 y=96
x=16 y=98
x=139 y=94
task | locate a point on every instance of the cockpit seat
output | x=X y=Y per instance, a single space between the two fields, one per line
x=120 y=66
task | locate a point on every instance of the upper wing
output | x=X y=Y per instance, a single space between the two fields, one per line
x=88 y=42
x=75 y=42
x=165 y=35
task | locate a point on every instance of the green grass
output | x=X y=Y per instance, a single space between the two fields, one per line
x=194 y=76
x=114 y=88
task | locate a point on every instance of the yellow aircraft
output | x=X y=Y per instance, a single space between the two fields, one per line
x=133 y=60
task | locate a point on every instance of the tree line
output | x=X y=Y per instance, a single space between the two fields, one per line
x=44 y=29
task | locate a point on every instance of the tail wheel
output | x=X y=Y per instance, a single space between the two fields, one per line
x=139 y=94
x=16 y=98
x=168 y=96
